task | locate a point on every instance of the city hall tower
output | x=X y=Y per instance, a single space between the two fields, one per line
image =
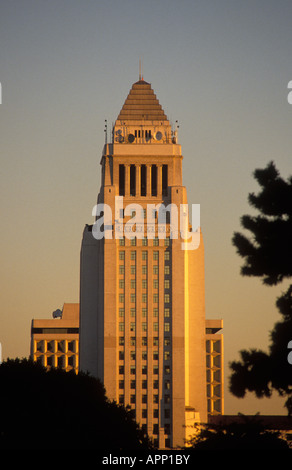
x=142 y=299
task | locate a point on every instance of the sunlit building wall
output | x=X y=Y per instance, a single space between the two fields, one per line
x=55 y=342
x=142 y=297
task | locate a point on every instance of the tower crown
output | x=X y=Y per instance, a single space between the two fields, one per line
x=142 y=119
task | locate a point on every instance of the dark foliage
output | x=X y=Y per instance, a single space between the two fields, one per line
x=247 y=434
x=268 y=254
x=54 y=409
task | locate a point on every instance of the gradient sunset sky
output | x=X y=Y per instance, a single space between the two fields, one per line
x=221 y=68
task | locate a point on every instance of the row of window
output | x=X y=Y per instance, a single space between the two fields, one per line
x=145 y=255
x=144 y=340
x=145 y=269
x=144 y=326
x=144 y=312
x=140 y=185
x=144 y=367
x=144 y=283
x=144 y=298
x=155 y=241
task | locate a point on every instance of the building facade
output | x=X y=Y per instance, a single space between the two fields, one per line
x=215 y=367
x=142 y=299
x=55 y=342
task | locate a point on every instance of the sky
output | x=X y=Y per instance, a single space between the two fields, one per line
x=220 y=68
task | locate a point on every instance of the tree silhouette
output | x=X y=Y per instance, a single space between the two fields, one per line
x=54 y=409
x=244 y=433
x=268 y=254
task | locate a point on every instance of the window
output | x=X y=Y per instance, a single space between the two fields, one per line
x=166 y=327
x=166 y=298
x=121 y=384
x=122 y=269
x=166 y=284
x=166 y=312
x=121 y=284
x=144 y=255
x=156 y=255
x=166 y=269
x=167 y=369
x=166 y=355
x=121 y=326
x=122 y=241
x=133 y=269
x=121 y=399
x=156 y=241
x=121 y=298
x=144 y=283
x=133 y=355
x=144 y=312
x=132 y=312
x=167 y=384
x=132 y=341
x=133 y=384
x=166 y=413
x=155 y=269
x=121 y=180
x=144 y=298
x=132 y=180
x=155 y=413
x=144 y=414
x=133 y=298
x=133 y=399
x=155 y=341
x=154 y=180
x=155 y=298
x=121 y=355
x=166 y=241
x=144 y=356
x=132 y=326
x=155 y=370
x=121 y=370
x=155 y=283
x=144 y=326
x=166 y=399
x=155 y=399
x=133 y=284
x=144 y=398
x=133 y=240
x=155 y=312
x=155 y=428
x=144 y=341
x=121 y=341
x=144 y=269
x=155 y=356
x=132 y=370
x=133 y=255
x=122 y=255
x=155 y=326
x=167 y=255
x=144 y=384
x=144 y=241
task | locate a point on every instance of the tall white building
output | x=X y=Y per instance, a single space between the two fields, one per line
x=142 y=297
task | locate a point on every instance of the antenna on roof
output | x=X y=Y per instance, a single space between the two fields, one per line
x=105 y=130
x=140 y=70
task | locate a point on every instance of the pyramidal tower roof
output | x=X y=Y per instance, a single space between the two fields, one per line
x=142 y=105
